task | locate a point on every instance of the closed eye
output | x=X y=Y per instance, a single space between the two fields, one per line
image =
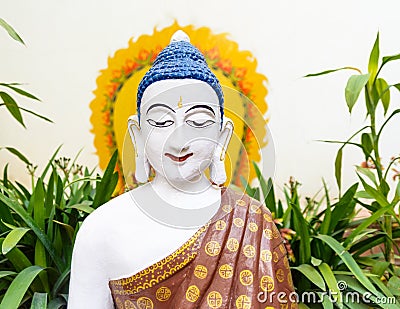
x=160 y=124
x=200 y=124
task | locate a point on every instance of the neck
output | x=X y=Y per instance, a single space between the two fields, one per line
x=181 y=194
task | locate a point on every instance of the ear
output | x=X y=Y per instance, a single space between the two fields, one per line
x=142 y=170
x=225 y=136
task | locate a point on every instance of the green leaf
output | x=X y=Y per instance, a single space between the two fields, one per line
x=12 y=107
x=330 y=279
x=18 y=154
x=11 y=31
x=343 y=208
x=20 y=91
x=326 y=222
x=36 y=115
x=20 y=211
x=366 y=143
x=383 y=90
x=19 y=286
x=12 y=239
x=378 y=196
x=389 y=58
x=39 y=301
x=353 y=88
x=365 y=223
x=312 y=274
x=338 y=167
x=386 y=121
x=301 y=227
x=5 y=273
x=107 y=185
x=331 y=71
x=373 y=60
x=348 y=260
x=82 y=207
x=367 y=172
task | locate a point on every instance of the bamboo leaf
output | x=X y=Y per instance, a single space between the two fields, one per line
x=39 y=301
x=383 y=90
x=18 y=154
x=37 y=115
x=373 y=60
x=312 y=274
x=378 y=196
x=12 y=107
x=389 y=58
x=353 y=88
x=12 y=239
x=338 y=167
x=331 y=71
x=344 y=207
x=349 y=261
x=366 y=143
x=12 y=33
x=367 y=172
x=19 y=286
x=20 y=91
x=386 y=121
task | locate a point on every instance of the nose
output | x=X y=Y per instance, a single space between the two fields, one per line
x=178 y=141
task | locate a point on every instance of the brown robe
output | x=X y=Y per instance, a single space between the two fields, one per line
x=237 y=260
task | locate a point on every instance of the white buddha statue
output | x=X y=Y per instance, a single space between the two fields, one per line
x=181 y=240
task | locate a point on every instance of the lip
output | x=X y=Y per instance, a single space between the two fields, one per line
x=178 y=159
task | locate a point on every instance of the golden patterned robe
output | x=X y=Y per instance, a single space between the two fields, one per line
x=237 y=260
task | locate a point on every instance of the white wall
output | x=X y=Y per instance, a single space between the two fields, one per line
x=68 y=42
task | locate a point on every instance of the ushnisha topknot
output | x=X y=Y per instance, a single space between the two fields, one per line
x=180 y=60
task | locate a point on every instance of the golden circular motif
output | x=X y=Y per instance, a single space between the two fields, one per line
x=214 y=299
x=286 y=262
x=246 y=277
x=200 y=271
x=249 y=251
x=275 y=256
x=255 y=209
x=243 y=302
x=280 y=274
x=227 y=208
x=267 y=217
x=225 y=271
x=192 y=293
x=232 y=244
x=275 y=232
x=145 y=303
x=129 y=305
x=282 y=248
x=163 y=293
x=269 y=307
x=267 y=283
x=213 y=248
x=268 y=234
x=253 y=227
x=119 y=303
x=266 y=255
x=220 y=225
x=238 y=222
x=240 y=203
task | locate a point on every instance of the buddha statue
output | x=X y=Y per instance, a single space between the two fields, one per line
x=181 y=240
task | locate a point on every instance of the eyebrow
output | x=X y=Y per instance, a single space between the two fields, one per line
x=157 y=105
x=200 y=106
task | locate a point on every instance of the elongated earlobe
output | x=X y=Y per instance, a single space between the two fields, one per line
x=142 y=169
x=217 y=167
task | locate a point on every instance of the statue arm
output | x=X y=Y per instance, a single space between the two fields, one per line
x=89 y=282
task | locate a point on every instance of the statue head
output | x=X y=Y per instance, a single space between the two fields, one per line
x=179 y=128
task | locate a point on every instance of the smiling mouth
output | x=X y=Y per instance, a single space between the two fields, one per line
x=178 y=159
